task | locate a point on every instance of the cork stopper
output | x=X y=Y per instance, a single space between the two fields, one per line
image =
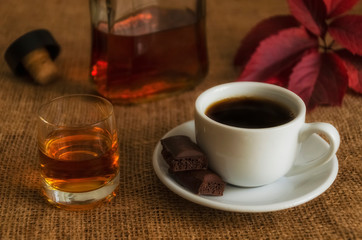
x=33 y=54
x=40 y=66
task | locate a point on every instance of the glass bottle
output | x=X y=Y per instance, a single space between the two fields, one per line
x=147 y=49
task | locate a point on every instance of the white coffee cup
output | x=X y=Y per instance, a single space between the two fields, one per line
x=251 y=157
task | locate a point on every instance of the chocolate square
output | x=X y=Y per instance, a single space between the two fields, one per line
x=202 y=182
x=181 y=154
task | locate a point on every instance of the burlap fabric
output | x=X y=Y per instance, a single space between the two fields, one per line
x=145 y=208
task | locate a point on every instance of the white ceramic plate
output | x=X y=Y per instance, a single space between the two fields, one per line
x=289 y=191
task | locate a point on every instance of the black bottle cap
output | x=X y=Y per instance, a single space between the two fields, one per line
x=27 y=43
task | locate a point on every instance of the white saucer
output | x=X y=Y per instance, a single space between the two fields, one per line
x=289 y=191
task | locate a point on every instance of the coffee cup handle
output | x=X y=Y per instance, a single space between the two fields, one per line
x=332 y=135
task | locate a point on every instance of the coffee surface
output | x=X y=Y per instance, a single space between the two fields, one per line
x=249 y=112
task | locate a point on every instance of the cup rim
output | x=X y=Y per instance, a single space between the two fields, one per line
x=300 y=114
x=48 y=103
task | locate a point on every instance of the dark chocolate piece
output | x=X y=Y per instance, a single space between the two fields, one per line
x=202 y=182
x=182 y=154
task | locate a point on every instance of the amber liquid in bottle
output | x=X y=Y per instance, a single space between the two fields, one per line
x=79 y=161
x=150 y=54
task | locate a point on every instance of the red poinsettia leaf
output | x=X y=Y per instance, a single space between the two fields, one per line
x=282 y=78
x=305 y=75
x=311 y=14
x=347 y=31
x=276 y=81
x=337 y=7
x=353 y=64
x=332 y=82
x=277 y=53
x=261 y=31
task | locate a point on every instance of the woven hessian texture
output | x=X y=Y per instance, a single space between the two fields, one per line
x=145 y=208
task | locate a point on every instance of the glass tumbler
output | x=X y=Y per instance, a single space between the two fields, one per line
x=147 y=49
x=78 y=151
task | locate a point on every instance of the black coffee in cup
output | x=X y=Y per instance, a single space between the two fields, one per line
x=249 y=112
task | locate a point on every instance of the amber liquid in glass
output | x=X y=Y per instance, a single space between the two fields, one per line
x=153 y=53
x=78 y=160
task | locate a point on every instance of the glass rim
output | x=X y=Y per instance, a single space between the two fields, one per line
x=48 y=103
